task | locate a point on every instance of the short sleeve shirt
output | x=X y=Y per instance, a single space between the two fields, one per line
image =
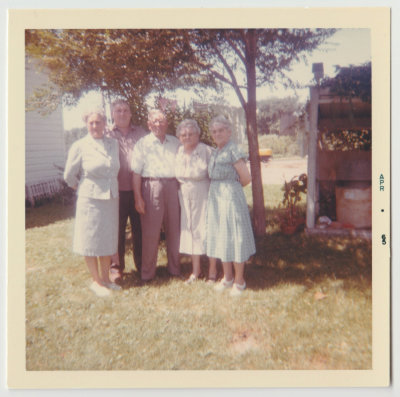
x=153 y=158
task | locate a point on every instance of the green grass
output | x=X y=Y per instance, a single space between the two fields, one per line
x=307 y=306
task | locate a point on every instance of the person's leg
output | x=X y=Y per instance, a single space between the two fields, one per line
x=151 y=222
x=105 y=262
x=98 y=285
x=228 y=271
x=196 y=265
x=239 y=273
x=212 y=269
x=239 y=285
x=227 y=280
x=91 y=262
x=172 y=225
x=123 y=217
x=136 y=228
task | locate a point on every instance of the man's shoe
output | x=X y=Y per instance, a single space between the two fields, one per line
x=115 y=274
x=114 y=286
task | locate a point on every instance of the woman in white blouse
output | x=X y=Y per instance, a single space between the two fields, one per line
x=92 y=167
x=191 y=171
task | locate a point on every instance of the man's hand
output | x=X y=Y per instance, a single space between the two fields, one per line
x=139 y=205
x=137 y=191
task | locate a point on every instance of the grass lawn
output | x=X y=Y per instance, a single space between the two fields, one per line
x=307 y=306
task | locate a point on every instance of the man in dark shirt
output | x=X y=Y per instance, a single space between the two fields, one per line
x=127 y=136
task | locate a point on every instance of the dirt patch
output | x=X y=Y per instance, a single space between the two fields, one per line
x=243 y=342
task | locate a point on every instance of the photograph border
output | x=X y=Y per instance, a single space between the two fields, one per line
x=377 y=19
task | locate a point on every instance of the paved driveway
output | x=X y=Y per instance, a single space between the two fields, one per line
x=277 y=171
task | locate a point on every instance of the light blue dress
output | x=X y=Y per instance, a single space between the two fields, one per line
x=229 y=231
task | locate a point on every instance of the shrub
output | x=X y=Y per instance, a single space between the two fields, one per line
x=281 y=145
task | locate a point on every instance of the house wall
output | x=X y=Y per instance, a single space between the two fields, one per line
x=44 y=141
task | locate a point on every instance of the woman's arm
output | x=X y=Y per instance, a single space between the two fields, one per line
x=73 y=166
x=243 y=172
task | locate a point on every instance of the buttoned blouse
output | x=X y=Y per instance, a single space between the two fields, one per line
x=153 y=158
x=193 y=167
x=126 y=144
x=93 y=165
x=221 y=163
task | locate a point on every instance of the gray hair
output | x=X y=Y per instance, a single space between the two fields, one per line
x=187 y=123
x=98 y=111
x=221 y=120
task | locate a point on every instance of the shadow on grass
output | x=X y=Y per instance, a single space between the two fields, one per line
x=281 y=259
x=48 y=213
x=162 y=277
x=307 y=260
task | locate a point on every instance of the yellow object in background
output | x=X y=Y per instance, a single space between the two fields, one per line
x=265 y=154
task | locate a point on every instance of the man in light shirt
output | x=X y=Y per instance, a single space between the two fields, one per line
x=156 y=194
x=127 y=136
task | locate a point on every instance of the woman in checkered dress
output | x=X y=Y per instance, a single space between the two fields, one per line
x=229 y=231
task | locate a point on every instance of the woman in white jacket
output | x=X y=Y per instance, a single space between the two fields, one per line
x=92 y=167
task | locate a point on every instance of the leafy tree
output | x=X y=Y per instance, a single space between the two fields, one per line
x=246 y=59
x=116 y=62
x=351 y=81
x=133 y=63
x=269 y=112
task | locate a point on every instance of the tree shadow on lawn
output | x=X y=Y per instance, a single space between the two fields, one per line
x=307 y=260
x=133 y=279
x=47 y=213
x=282 y=259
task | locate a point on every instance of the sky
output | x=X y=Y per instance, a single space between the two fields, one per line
x=346 y=47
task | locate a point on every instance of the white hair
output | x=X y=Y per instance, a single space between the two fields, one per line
x=221 y=120
x=187 y=123
x=98 y=111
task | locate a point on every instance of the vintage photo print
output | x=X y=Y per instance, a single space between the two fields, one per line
x=250 y=150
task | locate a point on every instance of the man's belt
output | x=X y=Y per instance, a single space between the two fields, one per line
x=150 y=178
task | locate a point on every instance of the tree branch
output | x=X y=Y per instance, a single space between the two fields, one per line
x=234 y=82
x=237 y=50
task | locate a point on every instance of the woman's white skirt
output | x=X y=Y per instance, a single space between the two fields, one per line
x=96 y=227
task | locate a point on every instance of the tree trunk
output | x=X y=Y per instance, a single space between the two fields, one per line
x=251 y=123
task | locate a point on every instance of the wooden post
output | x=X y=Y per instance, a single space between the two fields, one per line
x=312 y=159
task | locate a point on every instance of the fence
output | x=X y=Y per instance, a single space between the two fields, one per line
x=39 y=190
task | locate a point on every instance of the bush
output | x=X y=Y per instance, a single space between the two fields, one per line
x=282 y=146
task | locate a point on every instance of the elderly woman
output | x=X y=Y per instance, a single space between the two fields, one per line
x=191 y=171
x=229 y=230
x=92 y=167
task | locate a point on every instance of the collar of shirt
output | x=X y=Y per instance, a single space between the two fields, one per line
x=154 y=139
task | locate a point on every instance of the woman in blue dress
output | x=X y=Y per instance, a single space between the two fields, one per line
x=229 y=231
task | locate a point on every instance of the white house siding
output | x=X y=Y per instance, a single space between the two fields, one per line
x=44 y=142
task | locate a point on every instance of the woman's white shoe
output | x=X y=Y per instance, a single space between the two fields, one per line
x=223 y=284
x=237 y=289
x=99 y=290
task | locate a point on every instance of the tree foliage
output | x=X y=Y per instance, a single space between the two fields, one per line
x=118 y=63
x=246 y=59
x=134 y=63
x=269 y=112
x=351 y=81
